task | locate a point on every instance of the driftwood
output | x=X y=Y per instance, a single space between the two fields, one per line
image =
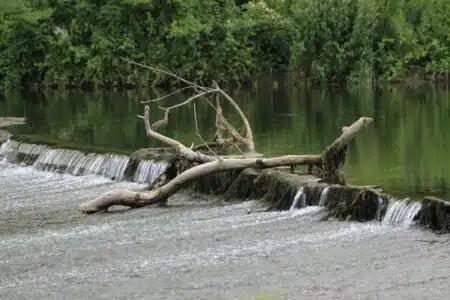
x=327 y=165
x=211 y=164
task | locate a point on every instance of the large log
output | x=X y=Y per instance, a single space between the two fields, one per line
x=209 y=165
x=139 y=199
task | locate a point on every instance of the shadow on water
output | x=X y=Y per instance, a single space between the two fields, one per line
x=405 y=151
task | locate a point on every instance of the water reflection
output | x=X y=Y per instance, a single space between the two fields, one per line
x=405 y=151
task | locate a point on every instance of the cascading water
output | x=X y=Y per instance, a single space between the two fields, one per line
x=324 y=196
x=147 y=171
x=21 y=153
x=67 y=161
x=77 y=163
x=380 y=205
x=297 y=196
x=4 y=147
x=401 y=212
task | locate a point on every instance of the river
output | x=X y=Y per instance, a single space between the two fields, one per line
x=208 y=248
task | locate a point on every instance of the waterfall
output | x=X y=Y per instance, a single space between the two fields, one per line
x=324 y=196
x=73 y=162
x=147 y=171
x=4 y=148
x=380 y=205
x=401 y=212
x=21 y=153
x=297 y=196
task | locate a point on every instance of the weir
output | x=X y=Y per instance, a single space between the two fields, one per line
x=278 y=188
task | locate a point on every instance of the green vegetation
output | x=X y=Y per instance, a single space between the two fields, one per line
x=81 y=42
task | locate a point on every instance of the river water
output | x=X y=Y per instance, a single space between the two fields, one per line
x=215 y=248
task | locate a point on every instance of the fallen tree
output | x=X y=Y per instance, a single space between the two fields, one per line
x=327 y=165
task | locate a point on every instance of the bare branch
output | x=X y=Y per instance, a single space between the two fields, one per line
x=192 y=98
x=249 y=134
x=179 y=147
x=220 y=126
x=168 y=95
x=199 y=135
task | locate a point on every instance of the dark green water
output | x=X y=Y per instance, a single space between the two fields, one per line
x=406 y=151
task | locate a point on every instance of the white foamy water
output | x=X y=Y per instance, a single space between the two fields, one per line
x=299 y=195
x=323 y=196
x=401 y=212
x=308 y=210
x=66 y=161
x=23 y=187
x=198 y=251
x=147 y=171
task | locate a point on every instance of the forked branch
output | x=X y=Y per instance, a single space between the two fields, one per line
x=210 y=165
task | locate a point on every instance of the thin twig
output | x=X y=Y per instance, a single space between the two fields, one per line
x=191 y=99
x=219 y=120
x=237 y=147
x=230 y=127
x=168 y=95
x=199 y=135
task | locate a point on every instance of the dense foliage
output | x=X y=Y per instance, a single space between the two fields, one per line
x=82 y=41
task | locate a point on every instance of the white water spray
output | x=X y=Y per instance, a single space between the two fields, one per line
x=380 y=206
x=4 y=146
x=401 y=212
x=147 y=171
x=297 y=196
x=324 y=196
